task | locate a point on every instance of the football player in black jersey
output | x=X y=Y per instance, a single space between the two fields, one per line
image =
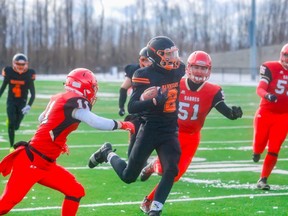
x=159 y=129
x=127 y=83
x=20 y=80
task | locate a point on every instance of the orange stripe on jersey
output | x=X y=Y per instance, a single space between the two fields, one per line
x=141 y=80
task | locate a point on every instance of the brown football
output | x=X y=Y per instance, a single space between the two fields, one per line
x=149 y=93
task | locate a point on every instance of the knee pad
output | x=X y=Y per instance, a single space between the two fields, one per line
x=77 y=192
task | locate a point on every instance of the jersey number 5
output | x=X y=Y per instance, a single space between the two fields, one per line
x=184 y=111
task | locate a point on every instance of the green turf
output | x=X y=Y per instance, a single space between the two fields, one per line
x=221 y=180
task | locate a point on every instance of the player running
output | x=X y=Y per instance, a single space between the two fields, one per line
x=271 y=118
x=20 y=80
x=159 y=129
x=35 y=161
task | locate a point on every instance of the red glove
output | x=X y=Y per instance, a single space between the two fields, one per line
x=126 y=125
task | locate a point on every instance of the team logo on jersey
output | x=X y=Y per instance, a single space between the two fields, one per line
x=183 y=92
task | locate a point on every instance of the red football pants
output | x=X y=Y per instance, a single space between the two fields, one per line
x=24 y=175
x=270 y=129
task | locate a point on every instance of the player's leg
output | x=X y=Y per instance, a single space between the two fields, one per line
x=142 y=149
x=169 y=153
x=277 y=135
x=132 y=137
x=63 y=181
x=22 y=178
x=11 y=114
x=262 y=123
x=19 y=115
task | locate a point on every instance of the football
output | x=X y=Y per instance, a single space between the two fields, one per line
x=149 y=93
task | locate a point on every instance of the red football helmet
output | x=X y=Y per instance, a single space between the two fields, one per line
x=20 y=63
x=284 y=56
x=82 y=81
x=198 y=67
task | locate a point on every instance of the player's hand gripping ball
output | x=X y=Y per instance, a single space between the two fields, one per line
x=149 y=93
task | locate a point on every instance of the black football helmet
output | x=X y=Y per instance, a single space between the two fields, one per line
x=20 y=63
x=163 y=52
x=143 y=58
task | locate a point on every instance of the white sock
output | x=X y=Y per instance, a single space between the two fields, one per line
x=110 y=155
x=156 y=206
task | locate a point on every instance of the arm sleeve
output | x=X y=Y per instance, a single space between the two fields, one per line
x=221 y=106
x=94 y=120
x=122 y=97
x=224 y=110
x=4 y=83
x=32 y=93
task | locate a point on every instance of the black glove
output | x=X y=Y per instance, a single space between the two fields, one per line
x=121 y=111
x=236 y=112
x=271 y=97
x=161 y=98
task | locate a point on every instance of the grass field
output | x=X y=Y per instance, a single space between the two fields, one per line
x=220 y=181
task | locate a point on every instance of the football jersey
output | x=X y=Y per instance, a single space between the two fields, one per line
x=130 y=69
x=277 y=78
x=194 y=106
x=57 y=123
x=19 y=84
x=168 y=81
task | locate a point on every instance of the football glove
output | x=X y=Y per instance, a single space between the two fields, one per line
x=236 y=112
x=271 y=97
x=121 y=112
x=126 y=125
x=26 y=110
x=161 y=97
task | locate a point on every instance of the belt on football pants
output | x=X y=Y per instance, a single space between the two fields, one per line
x=29 y=147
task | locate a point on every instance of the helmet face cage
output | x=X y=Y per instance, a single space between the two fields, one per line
x=20 y=63
x=83 y=82
x=163 y=52
x=284 y=56
x=198 y=67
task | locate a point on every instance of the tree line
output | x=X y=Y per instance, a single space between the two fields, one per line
x=58 y=35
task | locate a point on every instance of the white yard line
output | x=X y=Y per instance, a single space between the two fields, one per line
x=251 y=196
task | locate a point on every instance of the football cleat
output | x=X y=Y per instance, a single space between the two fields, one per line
x=154 y=213
x=100 y=155
x=262 y=184
x=145 y=205
x=256 y=157
x=147 y=171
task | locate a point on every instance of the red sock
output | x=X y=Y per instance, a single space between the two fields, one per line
x=268 y=165
x=69 y=207
x=152 y=193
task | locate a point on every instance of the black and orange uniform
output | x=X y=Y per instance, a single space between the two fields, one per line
x=158 y=130
x=129 y=72
x=19 y=86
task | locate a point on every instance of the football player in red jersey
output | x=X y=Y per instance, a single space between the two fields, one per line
x=197 y=98
x=35 y=161
x=159 y=128
x=271 y=118
x=20 y=80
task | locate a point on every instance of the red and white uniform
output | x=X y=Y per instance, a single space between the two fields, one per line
x=36 y=163
x=194 y=106
x=271 y=118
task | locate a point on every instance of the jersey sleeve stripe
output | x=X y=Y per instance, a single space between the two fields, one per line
x=141 y=80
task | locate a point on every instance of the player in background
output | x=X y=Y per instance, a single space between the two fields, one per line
x=35 y=161
x=20 y=80
x=197 y=98
x=127 y=83
x=159 y=129
x=271 y=118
